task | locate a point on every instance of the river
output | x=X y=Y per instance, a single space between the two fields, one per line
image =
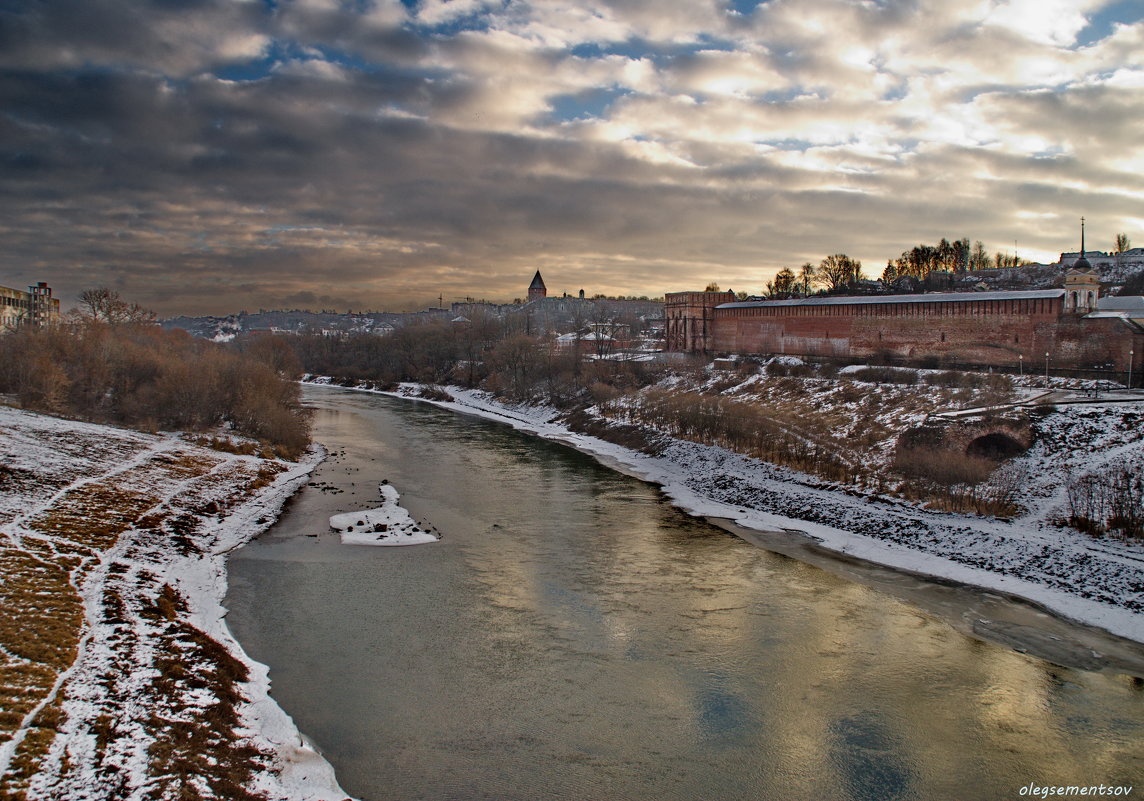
x=573 y=636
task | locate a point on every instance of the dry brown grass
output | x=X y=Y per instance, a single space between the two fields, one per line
x=196 y=751
x=41 y=732
x=41 y=620
x=95 y=514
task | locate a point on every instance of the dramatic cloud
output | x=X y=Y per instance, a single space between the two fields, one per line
x=230 y=154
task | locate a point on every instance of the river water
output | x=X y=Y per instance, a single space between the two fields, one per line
x=572 y=636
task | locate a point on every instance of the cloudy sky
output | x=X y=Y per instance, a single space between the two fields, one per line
x=214 y=155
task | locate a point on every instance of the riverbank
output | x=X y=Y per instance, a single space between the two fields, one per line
x=1097 y=582
x=122 y=679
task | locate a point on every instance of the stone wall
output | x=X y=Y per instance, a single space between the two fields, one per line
x=1003 y=332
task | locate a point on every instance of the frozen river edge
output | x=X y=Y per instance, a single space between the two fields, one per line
x=687 y=472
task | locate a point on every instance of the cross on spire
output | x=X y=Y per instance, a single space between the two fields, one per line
x=1082 y=237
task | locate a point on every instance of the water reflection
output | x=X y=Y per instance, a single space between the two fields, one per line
x=574 y=637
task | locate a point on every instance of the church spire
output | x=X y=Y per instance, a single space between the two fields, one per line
x=1081 y=263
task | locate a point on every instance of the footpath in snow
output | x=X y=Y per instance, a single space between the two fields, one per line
x=1096 y=582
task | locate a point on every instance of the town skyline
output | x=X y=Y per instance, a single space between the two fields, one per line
x=382 y=155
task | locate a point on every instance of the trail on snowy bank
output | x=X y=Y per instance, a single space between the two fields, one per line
x=120 y=677
x=1095 y=582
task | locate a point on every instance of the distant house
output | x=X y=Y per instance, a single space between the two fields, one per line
x=1100 y=259
x=592 y=342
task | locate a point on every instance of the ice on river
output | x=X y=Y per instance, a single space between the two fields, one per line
x=388 y=524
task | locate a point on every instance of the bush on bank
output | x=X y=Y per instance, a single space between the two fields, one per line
x=138 y=375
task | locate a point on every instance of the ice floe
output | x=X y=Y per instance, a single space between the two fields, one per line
x=388 y=524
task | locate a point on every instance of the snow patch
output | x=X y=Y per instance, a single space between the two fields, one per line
x=389 y=524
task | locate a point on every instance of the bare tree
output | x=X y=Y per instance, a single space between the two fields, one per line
x=605 y=329
x=518 y=358
x=1121 y=244
x=806 y=275
x=838 y=271
x=785 y=283
x=978 y=258
x=104 y=305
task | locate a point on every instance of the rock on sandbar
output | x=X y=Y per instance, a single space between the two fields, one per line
x=389 y=524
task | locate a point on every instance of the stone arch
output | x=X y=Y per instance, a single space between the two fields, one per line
x=996 y=445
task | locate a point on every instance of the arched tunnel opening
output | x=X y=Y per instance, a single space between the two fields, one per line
x=995 y=446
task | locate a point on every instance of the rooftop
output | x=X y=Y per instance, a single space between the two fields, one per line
x=930 y=297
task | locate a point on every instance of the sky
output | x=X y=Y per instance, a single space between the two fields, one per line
x=211 y=156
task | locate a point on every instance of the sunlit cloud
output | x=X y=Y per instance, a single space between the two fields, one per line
x=384 y=154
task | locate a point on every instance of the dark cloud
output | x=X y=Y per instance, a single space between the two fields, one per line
x=213 y=156
x=173 y=38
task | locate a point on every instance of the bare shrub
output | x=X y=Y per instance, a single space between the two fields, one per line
x=740 y=426
x=957 y=482
x=143 y=377
x=999 y=382
x=1112 y=501
x=948 y=378
x=434 y=393
x=942 y=467
x=827 y=370
x=780 y=369
x=885 y=375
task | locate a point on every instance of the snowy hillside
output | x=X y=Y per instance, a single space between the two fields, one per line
x=120 y=678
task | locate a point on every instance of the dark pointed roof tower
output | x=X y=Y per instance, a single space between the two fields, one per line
x=1079 y=264
x=537 y=290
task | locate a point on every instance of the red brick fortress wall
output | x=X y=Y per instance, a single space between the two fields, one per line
x=992 y=329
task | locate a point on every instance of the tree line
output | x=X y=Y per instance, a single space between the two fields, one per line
x=486 y=351
x=839 y=272
x=108 y=362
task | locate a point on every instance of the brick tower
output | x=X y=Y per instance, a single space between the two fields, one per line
x=537 y=290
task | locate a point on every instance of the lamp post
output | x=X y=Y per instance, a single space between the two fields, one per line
x=1130 y=355
x=1046 y=368
x=1021 y=363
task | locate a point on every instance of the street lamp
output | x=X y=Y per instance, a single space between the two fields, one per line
x=1046 y=368
x=1021 y=363
x=1130 y=354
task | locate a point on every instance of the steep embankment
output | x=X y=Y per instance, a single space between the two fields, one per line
x=118 y=676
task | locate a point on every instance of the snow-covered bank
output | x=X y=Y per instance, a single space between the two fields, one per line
x=146 y=694
x=1099 y=582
